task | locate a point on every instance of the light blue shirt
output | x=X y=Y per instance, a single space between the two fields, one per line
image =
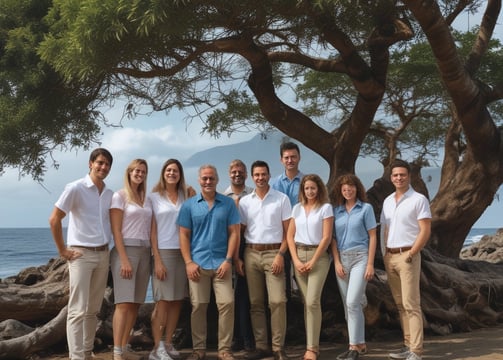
x=351 y=228
x=209 y=228
x=288 y=187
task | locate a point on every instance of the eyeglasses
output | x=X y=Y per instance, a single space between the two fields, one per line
x=208 y=178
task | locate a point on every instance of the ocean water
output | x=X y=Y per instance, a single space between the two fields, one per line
x=25 y=247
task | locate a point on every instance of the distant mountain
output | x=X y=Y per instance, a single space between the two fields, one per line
x=267 y=149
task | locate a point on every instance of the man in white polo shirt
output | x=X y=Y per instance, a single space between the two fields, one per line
x=265 y=214
x=87 y=201
x=405 y=230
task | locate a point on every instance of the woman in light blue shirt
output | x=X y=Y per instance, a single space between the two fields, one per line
x=353 y=249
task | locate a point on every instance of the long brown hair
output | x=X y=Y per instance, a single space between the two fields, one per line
x=161 y=186
x=348 y=179
x=321 y=196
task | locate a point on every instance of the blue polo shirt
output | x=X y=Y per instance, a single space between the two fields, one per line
x=351 y=229
x=288 y=187
x=209 y=229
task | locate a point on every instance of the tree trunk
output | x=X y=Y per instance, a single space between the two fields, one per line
x=41 y=338
x=37 y=302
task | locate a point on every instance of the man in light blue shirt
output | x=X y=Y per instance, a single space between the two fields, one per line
x=288 y=183
x=209 y=234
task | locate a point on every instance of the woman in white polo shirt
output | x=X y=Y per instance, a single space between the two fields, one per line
x=309 y=235
x=131 y=220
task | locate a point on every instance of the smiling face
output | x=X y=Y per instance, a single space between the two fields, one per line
x=138 y=174
x=290 y=160
x=99 y=168
x=237 y=174
x=348 y=192
x=208 y=180
x=400 y=178
x=310 y=190
x=171 y=174
x=261 y=177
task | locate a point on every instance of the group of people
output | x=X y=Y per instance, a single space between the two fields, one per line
x=241 y=244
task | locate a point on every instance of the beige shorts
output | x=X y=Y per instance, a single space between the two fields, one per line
x=174 y=286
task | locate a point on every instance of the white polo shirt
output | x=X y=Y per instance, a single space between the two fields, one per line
x=89 y=220
x=166 y=213
x=401 y=218
x=309 y=227
x=264 y=217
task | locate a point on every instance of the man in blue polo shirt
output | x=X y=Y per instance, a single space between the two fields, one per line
x=209 y=234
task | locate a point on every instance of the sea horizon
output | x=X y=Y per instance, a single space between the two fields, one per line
x=33 y=246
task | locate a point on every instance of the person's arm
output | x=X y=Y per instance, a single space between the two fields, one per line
x=290 y=239
x=369 y=272
x=190 y=266
x=339 y=269
x=326 y=239
x=421 y=238
x=116 y=218
x=278 y=263
x=56 y=224
x=160 y=270
x=232 y=242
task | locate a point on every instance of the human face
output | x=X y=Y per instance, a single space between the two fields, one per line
x=208 y=180
x=99 y=168
x=237 y=175
x=261 y=177
x=400 y=178
x=290 y=160
x=172 y=174
x=310 y=190
x=138 y=174
x=348 y=192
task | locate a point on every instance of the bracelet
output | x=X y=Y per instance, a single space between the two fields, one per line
x=282 y=253
x=229 y=260
x=188 y=262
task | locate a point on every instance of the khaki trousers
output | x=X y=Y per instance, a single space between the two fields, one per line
x=260 y=277
x=88 y=280
x=200 y=292
x=403 y=280
x=311 y=286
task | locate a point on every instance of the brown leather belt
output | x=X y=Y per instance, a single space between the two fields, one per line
x=263 y=247
x=92 y=248
x=398 y=250
x=305 y=247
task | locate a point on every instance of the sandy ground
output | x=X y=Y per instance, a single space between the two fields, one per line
x=482 y=344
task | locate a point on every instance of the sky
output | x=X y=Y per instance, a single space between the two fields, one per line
x=156 y=138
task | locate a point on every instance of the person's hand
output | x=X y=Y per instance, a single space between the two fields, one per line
x=369 y=272
x=309 y=265
x=223 y=269
x=278 y=264
x=339 y=270
x=193 y=271
x=160 y=270
x=70 y=254
x=126 y=269
x=299 y=266
x=239 y=266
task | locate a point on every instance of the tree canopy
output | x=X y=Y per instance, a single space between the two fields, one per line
x=389 y=78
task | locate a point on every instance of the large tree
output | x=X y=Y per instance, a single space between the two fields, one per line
x=199 y=53
x=236 y=63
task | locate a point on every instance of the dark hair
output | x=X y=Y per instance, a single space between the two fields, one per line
x=160 y=187
x=348 y=179
x=288 y=145
x=321 y=196
x=259 y=163
x=101 y=151
x=400 y=163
